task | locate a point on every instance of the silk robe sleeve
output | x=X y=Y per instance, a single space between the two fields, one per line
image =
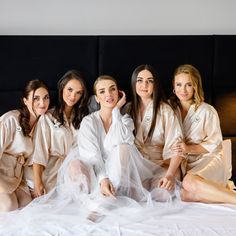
x=121 y=130
x=213 y=138
x=6 y=133
x=42 y=142
x=172 y=131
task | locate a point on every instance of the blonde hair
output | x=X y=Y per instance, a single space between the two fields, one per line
x=100 y=78
x=198 y=95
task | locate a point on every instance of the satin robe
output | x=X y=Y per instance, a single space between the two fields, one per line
x=166 y=133
x=52 y=144
x=15 y=149
x=203 y=127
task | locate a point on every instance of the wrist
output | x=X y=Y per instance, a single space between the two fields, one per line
x=38 y=182
x=169 y=175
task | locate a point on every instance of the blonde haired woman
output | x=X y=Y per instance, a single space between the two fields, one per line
x=205 y=174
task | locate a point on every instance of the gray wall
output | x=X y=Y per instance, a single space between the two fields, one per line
x=117 y=17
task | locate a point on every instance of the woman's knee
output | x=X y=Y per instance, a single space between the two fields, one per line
x=23 y=198
x=190 y=183
x=8 y=202
x=124 y=151
x=78 y=168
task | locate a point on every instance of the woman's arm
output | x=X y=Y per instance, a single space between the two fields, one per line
x=168 y=181
x=39 y=188
x=187 y=149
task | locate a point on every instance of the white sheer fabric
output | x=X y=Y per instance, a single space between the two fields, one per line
x=110 y=155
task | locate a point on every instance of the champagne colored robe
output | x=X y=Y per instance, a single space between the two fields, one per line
x=167 y=132
x=52 y=144
x=203 y=127
x=15 y=149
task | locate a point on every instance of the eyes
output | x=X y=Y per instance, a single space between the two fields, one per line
x=142 y=80
x=112 y=89
x=189 y=85
x=70 y=90
x=37 y=98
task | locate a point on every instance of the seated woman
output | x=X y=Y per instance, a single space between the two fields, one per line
x=205 y=174
x=156 y=127
x=55 y=131
x=106 y=147
x=16 y=145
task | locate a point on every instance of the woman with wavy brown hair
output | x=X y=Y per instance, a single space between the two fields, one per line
x=56 y=130
x=16 y=144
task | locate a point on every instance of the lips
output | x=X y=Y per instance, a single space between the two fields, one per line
x=109 y=100
x=183 y=95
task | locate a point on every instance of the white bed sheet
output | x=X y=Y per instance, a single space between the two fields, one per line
x=163 y=219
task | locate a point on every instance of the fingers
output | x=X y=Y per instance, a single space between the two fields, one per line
x=39 y=192
x=122 y=100
x=112 y=190
x=178 y=148
x=107 y=189
x=44 y=191
x=121 y=93
x=166 y=184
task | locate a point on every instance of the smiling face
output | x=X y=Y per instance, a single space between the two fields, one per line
x=144 y=84
x=183 y=86
x=106 y=93
x=37 y=101
x=72 y=92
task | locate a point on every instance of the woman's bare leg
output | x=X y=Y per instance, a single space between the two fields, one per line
x=77 y=170
x=23 y=197
x=198 y=189
x=8 y=202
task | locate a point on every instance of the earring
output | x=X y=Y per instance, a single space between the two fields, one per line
x=173 y=91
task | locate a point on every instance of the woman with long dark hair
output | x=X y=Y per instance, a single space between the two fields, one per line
x=16 y=144
x=56 y=130
x=156 y=126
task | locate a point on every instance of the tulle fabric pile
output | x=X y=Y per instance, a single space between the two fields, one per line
x=76 y=206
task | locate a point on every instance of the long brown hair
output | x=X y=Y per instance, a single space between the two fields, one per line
x=24 y=117
x=80 y=109
x=198 y=95
x=158 y=97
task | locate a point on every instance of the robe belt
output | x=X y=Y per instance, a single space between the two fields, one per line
x=21 y=161
x=147 y=149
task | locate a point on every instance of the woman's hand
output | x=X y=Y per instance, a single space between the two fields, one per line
x=39 y=189
x=106 y=188
x=180 y=148
x=122 y=99
x=167 y=182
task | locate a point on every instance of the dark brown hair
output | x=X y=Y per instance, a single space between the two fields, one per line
x=80 y=109
x=158 y=97
x=24 y=117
